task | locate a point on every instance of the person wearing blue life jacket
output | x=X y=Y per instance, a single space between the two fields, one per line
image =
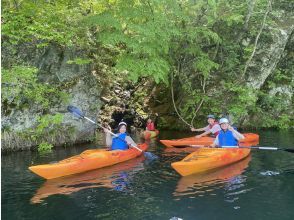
x=121 y=140
x=227 y=136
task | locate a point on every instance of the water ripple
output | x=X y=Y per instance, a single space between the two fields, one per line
x=270 y=173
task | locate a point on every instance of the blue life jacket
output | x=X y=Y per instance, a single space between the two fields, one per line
x=118 y=143
x=227 y=139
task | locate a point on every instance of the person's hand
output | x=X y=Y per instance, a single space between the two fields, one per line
x=198 y=136
x=230 y=128
x=107 y=129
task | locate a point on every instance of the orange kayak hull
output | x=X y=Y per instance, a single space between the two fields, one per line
x=204 y=141
x=87 y=160
x=150 y=134
x=104 y=177
x=206 y=159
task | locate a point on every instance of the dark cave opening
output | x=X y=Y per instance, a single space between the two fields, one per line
x=125 y=116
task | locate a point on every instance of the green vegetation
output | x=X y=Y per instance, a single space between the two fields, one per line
x=204 y=46
x=45 y=147
x=21 y=89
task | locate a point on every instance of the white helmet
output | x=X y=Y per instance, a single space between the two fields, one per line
x=223 y=120
x=122 y=123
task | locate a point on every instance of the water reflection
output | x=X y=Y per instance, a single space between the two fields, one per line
x=200 y=184
x=117 y=177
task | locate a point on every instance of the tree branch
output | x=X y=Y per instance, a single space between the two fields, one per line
x=173 y=98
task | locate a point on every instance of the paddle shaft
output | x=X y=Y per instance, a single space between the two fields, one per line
x=263 y=148
x=110 y=132
x=252 y=147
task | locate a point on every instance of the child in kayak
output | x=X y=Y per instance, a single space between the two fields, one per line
x=121 y=141
x=228 y=136
x=212 y=127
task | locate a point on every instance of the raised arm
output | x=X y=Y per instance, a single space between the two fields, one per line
x=108 y=139
x=236 y=134
x=108 y=136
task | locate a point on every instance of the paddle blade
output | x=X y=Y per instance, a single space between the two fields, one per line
x=150 y=156
x=75 y=111
x=288 y=150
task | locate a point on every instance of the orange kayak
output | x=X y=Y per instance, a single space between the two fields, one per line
x=150 y=134
x=205 y=159
x=104 y=177
x=249 y=137
x=87 y=160
x=187 y=185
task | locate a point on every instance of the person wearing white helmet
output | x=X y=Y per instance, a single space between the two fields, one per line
x=228 y=136
x=121 y=140
x=212 y=127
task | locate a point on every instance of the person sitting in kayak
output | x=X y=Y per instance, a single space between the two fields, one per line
x=212 y=127
x=228 y=136
x=121 y=141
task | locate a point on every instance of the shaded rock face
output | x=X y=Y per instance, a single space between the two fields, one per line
x=82 y=89
x=53 y=64
x=51 y=61
x=268 y=56
x=271 y=57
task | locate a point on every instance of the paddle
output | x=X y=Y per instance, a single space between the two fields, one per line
x=252 y=147
x=262 y=148
x=80 y=115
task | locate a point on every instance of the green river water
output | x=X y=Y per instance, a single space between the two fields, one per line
x=259 y=187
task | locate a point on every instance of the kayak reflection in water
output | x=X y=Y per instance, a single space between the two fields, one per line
x=121 y=140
